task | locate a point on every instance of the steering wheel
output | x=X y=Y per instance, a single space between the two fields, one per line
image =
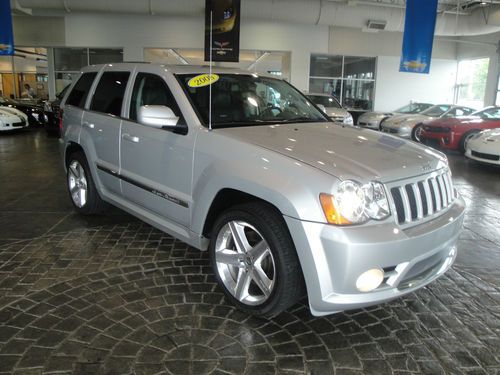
x=269 y=110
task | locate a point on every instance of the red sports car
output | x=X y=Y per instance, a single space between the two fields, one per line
x=453 y=133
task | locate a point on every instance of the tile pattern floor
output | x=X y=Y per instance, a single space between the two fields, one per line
x=112 y=295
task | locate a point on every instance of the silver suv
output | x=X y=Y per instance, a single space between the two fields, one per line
x=246 y=166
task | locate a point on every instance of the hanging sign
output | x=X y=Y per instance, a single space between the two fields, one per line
x=420 y=21
x=6 y=35
x=223 y=29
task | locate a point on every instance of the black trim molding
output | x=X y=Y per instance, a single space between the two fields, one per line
x=158 y=193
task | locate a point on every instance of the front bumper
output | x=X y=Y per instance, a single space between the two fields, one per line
x=332 y=258
x=397 y=131
x=440 y=140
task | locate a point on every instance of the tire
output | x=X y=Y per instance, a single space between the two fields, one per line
x=416 y=133
x=81 y=186
x=276 y=258
x=380 y=123
x=465 y=138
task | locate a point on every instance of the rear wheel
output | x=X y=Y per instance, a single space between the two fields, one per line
x=416 y=133
x=81 y=187
x=465 y=138
x=255 y=261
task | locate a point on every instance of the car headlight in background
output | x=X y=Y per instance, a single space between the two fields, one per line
x=354 y=203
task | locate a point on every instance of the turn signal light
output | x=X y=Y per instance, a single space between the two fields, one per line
x=331 y=213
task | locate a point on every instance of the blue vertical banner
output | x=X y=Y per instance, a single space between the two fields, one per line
x=420 y=22
x=6 y=35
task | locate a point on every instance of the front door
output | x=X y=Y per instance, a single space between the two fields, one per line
x=156 y=164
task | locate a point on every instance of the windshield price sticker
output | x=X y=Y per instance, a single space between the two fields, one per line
x=203 y=80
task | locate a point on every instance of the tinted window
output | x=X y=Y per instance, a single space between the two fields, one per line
x=108 y=96
x=150 y=89
x=79 y=94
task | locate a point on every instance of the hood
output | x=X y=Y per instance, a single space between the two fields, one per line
x=343 y=152
x=490 y=135
x=372 y=116
x=14 y=111
x=450 y=122
x=336 y=112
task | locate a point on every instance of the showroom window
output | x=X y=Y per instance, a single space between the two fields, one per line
x=471 y=82
x=69 y=61
x=351 y=79
x=497 y=101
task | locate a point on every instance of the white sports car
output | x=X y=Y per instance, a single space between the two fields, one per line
x=484 y=147
x=10 y=120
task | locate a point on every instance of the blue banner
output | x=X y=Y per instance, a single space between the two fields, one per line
x=420 y=21
x=6 y=36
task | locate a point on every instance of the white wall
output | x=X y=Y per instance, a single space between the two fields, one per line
x=134 y=33
x=392 y=88
x=395 y=89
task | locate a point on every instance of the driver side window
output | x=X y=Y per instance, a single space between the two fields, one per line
x=150 y=89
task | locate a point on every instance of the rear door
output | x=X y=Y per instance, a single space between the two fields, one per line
x=156 y=164
x=102 y=122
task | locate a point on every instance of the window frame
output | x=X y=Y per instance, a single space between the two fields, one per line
x=125 y=93
x=89 y=91
x=132 y=84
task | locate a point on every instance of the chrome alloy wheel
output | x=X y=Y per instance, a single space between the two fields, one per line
x=245 y=263
x=418 y=133
x=77 y=183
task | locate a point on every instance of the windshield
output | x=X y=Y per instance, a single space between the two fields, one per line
x=413 y=108
x=327 y=101
x=436 y=110
x=488 y=113
x=242 y=100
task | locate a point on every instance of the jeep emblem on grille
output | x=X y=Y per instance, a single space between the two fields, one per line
x=426 y=167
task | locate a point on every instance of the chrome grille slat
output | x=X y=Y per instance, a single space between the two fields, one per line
x=428 y=197
x=419 y=199
x=444 y=194
x=437 y=194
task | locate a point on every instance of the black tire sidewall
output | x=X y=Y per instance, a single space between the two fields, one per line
x=276 y=247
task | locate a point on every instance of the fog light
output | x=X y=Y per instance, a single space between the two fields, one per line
x=370 y=280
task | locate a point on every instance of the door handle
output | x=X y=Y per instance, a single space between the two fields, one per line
x=89 y=125
x=131 y=138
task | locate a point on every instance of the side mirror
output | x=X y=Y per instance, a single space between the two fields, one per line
x=157 y=116
x=322 y=107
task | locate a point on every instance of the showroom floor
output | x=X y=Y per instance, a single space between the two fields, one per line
x=109 y=294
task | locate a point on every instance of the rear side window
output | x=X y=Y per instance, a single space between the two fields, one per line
x=78 y=95
x=150 y=89
x=108 y=96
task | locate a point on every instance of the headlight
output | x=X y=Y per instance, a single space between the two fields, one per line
x=354 y=203
x=348 y=120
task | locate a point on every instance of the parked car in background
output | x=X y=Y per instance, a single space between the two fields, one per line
x=484 y=147
x=333 y=108
x=410 y=126
x=52 y=111
x=31 y=108
x=11 y=121
x=16 y=112
x=372 y=120
x=283 y=200
x=453 y=133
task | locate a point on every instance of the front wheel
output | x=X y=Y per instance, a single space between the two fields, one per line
x=416 y=133
x=465 y=138
x=255 y=261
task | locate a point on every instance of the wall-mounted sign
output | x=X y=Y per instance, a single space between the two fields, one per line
x=420 y=21
x=223 y=28
x=6 y=36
